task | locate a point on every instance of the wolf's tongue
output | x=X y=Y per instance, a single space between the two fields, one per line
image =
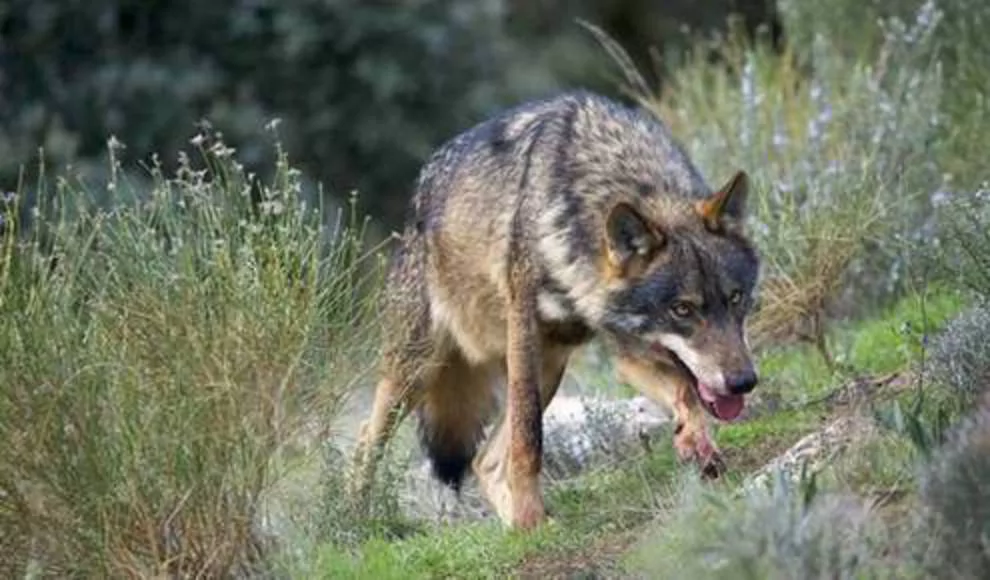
x=726 y=407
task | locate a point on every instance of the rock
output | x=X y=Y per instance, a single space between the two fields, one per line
x=579 y=432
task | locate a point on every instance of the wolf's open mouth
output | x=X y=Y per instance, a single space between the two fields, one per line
x=722 y=407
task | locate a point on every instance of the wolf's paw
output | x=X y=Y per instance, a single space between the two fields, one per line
x=528 y=512
x=696 y=446
x=713 y=467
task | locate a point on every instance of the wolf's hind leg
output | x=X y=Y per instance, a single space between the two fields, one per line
x=392 y=403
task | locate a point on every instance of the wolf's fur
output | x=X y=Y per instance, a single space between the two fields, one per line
x=528 y=235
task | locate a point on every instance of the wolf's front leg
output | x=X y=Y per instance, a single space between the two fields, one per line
x=524 y=409
x=492 y=465
x=692 y=436
x=667 y=385
x=509 y=467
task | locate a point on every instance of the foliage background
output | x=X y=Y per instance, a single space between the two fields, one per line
x=364 y=90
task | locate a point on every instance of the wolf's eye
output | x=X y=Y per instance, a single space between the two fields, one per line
x=681 y=309
x=735 y=298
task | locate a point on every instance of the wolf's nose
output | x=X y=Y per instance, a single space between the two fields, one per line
x=741 y=383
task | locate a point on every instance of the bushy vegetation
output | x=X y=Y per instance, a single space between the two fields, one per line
x=961 y=249
x=364 y=90
x=352 y=82
x=160 y=359
x=955 y=496
x=839 y=150
x=783 y=530
x=960 y=355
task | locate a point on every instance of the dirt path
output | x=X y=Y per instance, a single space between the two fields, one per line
x=600 y=560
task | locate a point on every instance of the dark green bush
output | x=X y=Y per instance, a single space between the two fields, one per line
x=955 y=494
x=364 y=90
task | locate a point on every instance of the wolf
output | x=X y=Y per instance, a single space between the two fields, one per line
x=530 y=234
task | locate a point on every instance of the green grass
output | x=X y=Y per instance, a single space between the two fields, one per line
x=895 y=336
x=466 y=551
x=795 y=373
x=598 y=504
x=784 y=426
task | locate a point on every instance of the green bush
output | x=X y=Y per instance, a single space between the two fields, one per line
x=965 y=54
x=854 y=22
x=955 y=498
x=959 y=245
x=962 y=48
x=159 y=361
x=780 y=532
x=364 y=90
x=960 y=355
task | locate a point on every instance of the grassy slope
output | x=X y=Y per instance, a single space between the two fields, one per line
x=600 y=514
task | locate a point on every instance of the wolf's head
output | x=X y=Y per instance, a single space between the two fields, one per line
x=681 y=283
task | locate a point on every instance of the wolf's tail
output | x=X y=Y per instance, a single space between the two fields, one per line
x=452 y=419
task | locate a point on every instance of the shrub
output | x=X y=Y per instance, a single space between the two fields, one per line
x=955 y=497
x=359 y=86
x=960 y=355
x=965 y=53
x=776 y=533
x=961 y=47
x=959 y=249
x=852 y=21
x=159 y=359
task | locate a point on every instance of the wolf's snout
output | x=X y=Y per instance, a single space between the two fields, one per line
x=741 y=383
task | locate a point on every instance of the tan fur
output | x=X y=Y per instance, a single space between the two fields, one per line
x=391 y=405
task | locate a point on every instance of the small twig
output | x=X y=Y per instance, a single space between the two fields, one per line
x=887 y=496
x=639 y=88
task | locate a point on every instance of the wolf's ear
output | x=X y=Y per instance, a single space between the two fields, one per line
x=631 y=240
x=727 y=202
